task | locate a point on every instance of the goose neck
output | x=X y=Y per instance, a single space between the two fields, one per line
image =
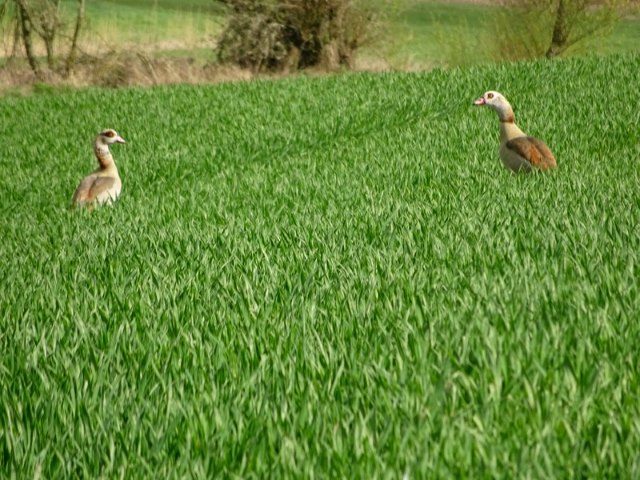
x=509 y=130
x=103 y=155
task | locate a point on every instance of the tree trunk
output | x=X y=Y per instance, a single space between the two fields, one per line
x=50 y=26
x=44 y=21
x=71 y=58
x=25 y=27
x=48 y=43
x=560 y=31
x=15 y=44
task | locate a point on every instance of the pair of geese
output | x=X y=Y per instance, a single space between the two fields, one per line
x=518 y=151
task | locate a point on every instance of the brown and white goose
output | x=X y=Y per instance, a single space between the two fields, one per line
x=103 y=185
x=518 y=151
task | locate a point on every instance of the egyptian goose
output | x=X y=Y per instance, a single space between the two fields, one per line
x=518 y=151
x=103 y=185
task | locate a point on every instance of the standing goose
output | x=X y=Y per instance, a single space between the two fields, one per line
x=103 y=185
x=518 y=151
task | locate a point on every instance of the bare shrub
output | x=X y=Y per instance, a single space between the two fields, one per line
x=287 y=35
x=536 y=28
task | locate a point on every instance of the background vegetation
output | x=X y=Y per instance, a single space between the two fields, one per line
x=362 y=289
x=125 y=42
x=292 y=35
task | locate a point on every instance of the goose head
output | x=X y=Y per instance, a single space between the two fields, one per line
x=109 y=137
x=496 y=101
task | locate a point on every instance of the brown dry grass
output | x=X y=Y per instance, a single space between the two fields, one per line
x=472 y=2
x=122 y=70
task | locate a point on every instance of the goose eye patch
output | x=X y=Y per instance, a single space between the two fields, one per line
x=490 y=96
x=109 y=134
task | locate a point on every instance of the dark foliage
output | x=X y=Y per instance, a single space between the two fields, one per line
x=286 y=35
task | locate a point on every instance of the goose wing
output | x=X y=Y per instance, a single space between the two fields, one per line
x=533 y=150
x=90 y=187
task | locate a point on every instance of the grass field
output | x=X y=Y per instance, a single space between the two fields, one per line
x=172 y=26
x=328 y=277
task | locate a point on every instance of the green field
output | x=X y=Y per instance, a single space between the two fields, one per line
x=328 y=277
x=177 y=27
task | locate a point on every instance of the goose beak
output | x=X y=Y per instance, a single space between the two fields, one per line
x=480 y=102
x=119 y=139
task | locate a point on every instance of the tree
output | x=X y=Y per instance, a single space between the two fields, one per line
x=73 y=48
x=550 y=27
x=43 y=18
